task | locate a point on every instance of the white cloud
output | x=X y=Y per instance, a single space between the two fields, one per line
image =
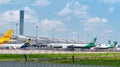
x=77 y=10
x=75 y=33
x=65 y=10
x=41 y=3
x=94 y=23
x=74 y=8
x=82 y=11
x=109 y=31
x=30 y=15
x=13 y=16
x=96 y=20
x=47 y=25
x=111 y=10
x=68 y=18
x=9 y=16
x=5 y=1
x=111 y=1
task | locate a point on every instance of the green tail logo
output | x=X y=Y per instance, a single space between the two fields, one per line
x=113 y=45
x=92 y=44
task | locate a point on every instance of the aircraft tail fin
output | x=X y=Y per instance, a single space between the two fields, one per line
x=94 y=40
x=26 y=44
x=114 y=43
x=91 y=44
x=8 y=34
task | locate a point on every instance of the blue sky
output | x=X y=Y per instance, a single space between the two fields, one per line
x=90 y=18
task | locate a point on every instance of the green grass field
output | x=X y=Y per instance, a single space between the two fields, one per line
x=109 y=59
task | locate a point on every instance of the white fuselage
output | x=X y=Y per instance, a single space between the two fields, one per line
x=62 y=45
x=117 y=47
x=15 y=46
x=102 y=46
x=80 y=45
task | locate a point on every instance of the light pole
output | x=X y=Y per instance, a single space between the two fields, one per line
x=36 y=33
x=16 y=30
x=88 y=38
x=53 y=34
x=78 y=37
x=66 y=36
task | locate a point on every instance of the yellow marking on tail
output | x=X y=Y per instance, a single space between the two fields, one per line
x=6 y=37
x=8 y=34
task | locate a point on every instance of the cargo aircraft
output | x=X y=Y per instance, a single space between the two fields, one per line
x=6 y=38
x=15 y=46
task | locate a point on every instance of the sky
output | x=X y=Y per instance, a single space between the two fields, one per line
x=64 y=19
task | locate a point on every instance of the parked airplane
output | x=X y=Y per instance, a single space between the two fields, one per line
x=16 y=46
x=106 y=46
x=85 y=46
x=6 y=37
x=118 y=47
x=59 y=45
x=62 y=45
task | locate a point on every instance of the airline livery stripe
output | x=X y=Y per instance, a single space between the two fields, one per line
x=6 y=36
